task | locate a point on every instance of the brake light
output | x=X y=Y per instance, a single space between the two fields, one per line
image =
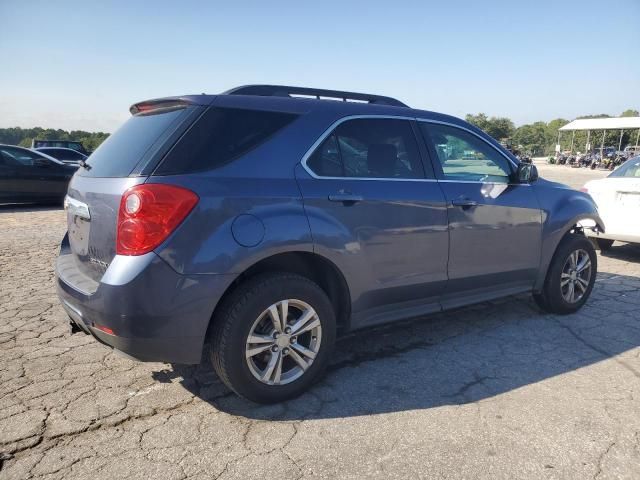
x=148 y=214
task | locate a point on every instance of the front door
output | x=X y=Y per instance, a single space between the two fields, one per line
x=495 y=225
x=375 y=215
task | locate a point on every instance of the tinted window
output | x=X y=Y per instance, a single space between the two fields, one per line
x=24 y=157
x=630 y=168
x=69 y=154
x=118 y=155
x=220 y=136
x=326 y=161
x=52 y=152
x=369 y=148
x=463 y=156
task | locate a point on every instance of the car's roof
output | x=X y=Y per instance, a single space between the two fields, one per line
x=15 y=146
x=58 y=148
x=327 y=108
x=305 y=105
x=49 y=157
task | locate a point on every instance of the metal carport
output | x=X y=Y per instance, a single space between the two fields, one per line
x=604 y=124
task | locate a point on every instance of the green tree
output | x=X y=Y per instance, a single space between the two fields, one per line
x=498 y=127
x=630 y=112
x=531 y=138
x=24 y=136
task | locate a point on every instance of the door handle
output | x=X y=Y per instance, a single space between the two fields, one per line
x=345 y=197
x=464 y=203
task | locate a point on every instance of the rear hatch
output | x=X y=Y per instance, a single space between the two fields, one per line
x=123 y=160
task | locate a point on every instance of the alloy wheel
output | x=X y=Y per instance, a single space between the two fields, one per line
x=576 y=275
x=283 y=342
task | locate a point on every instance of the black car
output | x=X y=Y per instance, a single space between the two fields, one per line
x=73 y=145
x=27 y=176
x=65 y=155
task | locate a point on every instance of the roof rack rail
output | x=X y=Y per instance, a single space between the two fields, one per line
x=318 y=93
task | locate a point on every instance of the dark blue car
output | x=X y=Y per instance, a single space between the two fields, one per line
x=269 y=219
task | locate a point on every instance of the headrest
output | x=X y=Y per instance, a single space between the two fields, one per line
x=381 y=159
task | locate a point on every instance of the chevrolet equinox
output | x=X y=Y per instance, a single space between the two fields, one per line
x=269 y=219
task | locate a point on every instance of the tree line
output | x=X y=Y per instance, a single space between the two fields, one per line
x=24 y=136
x=538 y=138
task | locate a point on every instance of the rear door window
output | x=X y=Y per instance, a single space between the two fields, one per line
x=119 y=154
x=369 y=148
x=220 y=136
x=22 y=157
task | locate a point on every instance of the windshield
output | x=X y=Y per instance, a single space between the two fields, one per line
x=630 y=168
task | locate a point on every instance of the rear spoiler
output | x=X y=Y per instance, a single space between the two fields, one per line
x=169 y=103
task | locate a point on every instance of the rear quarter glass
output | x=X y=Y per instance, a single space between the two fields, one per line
x=220 y=136
x=135 y=142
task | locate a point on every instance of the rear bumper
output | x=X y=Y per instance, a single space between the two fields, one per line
x=155 y=313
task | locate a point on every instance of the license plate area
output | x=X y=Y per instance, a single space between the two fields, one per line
x=79 y=225
x=628 y=199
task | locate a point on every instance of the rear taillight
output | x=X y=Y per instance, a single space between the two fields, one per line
x=148 y=214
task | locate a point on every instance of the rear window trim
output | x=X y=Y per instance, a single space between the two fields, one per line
x=145 y=168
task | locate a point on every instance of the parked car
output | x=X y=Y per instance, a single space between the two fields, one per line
x=32 y=177
x=266 y=224
x=65 y=155
x=631 y=150
x=618 y=200
x=73 y=145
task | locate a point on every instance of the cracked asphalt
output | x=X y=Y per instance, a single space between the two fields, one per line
x=497 y=390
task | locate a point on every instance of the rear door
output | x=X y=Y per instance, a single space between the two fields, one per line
x=375 y=214
x=30 y=181
x=495 y=225
x=12 y=185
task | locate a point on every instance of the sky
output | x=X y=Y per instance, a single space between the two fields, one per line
x=81 y=64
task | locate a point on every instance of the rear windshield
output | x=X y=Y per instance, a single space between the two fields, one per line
x=118 y=155
x=220 y=136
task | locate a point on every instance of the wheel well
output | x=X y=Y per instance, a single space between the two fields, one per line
x=584 y=223
x=309 y=265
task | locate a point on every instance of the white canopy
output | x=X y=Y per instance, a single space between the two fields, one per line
x=619 y=123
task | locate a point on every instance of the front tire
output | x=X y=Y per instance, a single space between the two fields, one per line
x=570 y=277
x=273 y=337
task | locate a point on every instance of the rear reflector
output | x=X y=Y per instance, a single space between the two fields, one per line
x=148 y=214
x=104 y=329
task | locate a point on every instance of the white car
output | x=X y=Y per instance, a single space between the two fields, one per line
x=618 y=200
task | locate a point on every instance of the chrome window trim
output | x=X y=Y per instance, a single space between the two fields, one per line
x=338 y=122
x=449 y=124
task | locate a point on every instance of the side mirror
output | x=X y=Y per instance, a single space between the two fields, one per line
x=527 y=173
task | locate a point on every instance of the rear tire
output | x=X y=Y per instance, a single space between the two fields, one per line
x=291 y=355
x=570 y=277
